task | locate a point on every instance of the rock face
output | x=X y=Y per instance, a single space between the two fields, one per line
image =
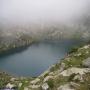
x=86 y=62
x=75 y=70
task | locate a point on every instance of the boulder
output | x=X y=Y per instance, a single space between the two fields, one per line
x=34 y=87
x=35 y=81
x=47 y=78
x=86 y=62
x=45 y=86
x=78 y=77
x=74 y=70
x=86 y=47
x=19 y=85
x=13 y=79
x=25 y=88
x=10 y=86
x=74 y=85
x=62 y=67
x=65 y=87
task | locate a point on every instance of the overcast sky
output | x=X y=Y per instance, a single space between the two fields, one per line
x=44 y=10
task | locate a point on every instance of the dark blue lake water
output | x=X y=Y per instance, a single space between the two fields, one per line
x=35 y=59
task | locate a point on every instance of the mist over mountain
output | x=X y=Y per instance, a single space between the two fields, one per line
x=54 y=19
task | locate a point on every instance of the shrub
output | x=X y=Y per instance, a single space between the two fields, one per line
x=50 y=83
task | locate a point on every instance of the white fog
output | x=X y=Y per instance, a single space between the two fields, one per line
x=42 y=10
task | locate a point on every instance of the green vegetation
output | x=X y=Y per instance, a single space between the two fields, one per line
x=50 y=82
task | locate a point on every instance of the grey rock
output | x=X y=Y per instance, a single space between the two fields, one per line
x=65 y=87
x=45 y=86
x=62 y=67
x=75 y=70
x=35 y=81
x=86 y=62
x=10 y=86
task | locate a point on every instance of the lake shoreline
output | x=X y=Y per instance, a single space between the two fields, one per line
x=55 y=73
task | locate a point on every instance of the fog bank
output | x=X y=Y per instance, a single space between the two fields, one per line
x=38 y=11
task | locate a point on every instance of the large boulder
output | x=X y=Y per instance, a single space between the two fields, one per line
x=86 y=62
x=65 y=87
x=74 y=70
x=45 y=86
x=69 y=86
x=10 y=86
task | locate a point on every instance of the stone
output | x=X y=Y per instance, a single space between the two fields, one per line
x=34 y=86
x=19 y=85
x=78 y=54
x=12 y=79
x=47 y=78
x=10 y=86
x=25 y=88
x=35 y=81
x=62 y=67
x=86 y=47
x=87 y=52
x=45 y=86
x=65 y=87
x=74 y=70
x=75 y=85
x=78 y=77
x=43 y=74
x=86 y=62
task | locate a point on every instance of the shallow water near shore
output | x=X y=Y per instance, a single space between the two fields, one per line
x=37 y=58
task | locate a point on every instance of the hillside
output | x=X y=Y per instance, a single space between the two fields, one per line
x=13 y=36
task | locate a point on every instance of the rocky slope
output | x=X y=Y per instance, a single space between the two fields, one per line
x=10 y=41
x=70 y=73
